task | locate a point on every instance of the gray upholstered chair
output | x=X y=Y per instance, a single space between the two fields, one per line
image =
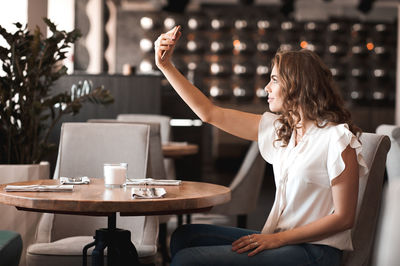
x=150 y=118
x=245 y=187
x=374 y=150
x=165 y=130
x=166 y=136
x=387 y=237
x=83 y=149
x=155 y=169
x=393 y=157
x=155 y=164
x=10 y=248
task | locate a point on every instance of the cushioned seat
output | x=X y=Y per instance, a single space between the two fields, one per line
x=72 y=246
x=10 y=248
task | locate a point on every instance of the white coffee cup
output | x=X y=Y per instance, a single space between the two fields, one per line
x=115 y=174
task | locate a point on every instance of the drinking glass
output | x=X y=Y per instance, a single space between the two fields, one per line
x=115 y=174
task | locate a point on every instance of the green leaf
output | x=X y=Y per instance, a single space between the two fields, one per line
x=32 y=64
x=50 y=24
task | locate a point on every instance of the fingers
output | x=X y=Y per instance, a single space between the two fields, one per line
x=241 y=241
x=167 y=41
x=257 y=250
x=163 y=42
x=237 y=242
x=247 y=247
x=244 y=244
x=162 y=45
x=174 y=32
x=168 y=38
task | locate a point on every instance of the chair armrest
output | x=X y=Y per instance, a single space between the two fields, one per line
x=44 y=228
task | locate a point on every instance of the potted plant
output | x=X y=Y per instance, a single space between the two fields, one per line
x=31 y=63
x=28 y=110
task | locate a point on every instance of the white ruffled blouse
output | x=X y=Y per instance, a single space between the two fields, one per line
x=303 y=175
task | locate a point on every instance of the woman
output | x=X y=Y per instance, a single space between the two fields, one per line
x=312 y=144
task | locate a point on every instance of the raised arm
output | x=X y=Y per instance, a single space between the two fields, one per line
x=241 y=124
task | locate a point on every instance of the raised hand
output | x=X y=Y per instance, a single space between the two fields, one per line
x=164 y=46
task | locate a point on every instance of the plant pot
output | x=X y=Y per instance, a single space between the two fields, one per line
x=23 y=222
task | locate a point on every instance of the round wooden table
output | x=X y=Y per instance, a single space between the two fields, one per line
x=94 y=199
x=172 y=150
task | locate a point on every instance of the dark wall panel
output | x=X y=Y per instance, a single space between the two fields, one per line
x=132 y=94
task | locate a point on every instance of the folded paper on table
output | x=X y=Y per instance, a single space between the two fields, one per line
x=151 y=181
x=74 y=180
x=148 y=193
x=40 y=188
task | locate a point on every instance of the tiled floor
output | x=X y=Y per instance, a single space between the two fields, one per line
x=255 y=220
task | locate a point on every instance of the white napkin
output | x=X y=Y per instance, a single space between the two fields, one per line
x=148 y=193
x=151 y=181
x=74 y=180
x=44 y=188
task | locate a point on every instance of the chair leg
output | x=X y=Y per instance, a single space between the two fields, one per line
x=242 y=221
x=188 y=218
x=85 y=249
x=162 y=241
x=180 y=219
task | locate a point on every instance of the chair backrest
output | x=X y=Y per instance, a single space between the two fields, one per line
x=393 y=157
x=150 y=118
x=155 y=163
x=165 y=129
x=246 y=186
x=374 y=151
x=84 y=148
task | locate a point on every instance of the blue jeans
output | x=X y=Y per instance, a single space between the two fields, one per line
x=203 y=244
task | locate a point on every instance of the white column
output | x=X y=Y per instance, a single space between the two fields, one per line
x=94 y=39
x=111 y=29
x=62 y=13
x=36 y=11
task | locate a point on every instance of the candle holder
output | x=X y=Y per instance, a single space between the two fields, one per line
x=115 y=174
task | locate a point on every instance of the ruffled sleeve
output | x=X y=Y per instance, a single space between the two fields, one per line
x=340 y=138
x=266 y=136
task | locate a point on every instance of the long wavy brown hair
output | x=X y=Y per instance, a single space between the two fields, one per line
x=307 y=85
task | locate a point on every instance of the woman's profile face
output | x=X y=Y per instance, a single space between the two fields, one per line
x=274 y=91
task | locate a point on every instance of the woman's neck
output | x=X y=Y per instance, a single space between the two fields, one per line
x=302 y=127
